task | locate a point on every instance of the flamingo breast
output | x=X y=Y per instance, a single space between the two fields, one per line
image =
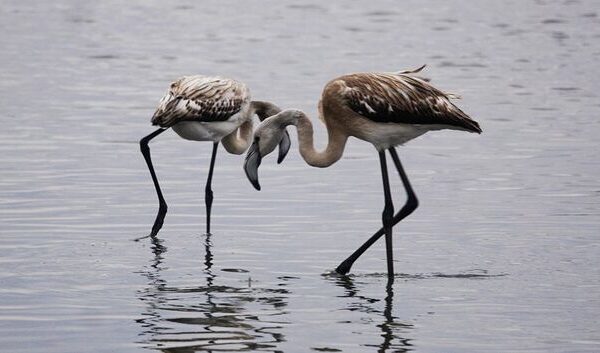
x=209 y=131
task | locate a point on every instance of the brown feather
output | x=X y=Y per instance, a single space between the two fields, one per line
x=401 y=98
x=201 y=98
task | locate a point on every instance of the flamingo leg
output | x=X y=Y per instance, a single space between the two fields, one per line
x=411 y=204
x=387 y=216
x=162 y=205
x=208 y=193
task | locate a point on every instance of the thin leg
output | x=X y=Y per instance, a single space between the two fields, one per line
x=162 y=205
x=387 y=216
x=208 y=193
x=411 y=204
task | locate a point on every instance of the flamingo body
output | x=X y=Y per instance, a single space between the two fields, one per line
x=385 y=109
x=204 y=108
x=389 y=109
x=207 y=108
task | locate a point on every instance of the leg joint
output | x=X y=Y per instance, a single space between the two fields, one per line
x=412 y=203
x=388 y=214
x=208 y=195
x=144 y=145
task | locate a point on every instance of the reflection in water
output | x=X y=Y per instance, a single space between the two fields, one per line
x=522 y=199
x=393 y=332
x=210 y=317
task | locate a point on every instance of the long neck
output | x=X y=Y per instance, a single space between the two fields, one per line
x=332 y=153
x=264 y=109
x=238 y=141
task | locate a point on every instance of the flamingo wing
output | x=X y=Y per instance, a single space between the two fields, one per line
x=402 y=98
x=201 y=98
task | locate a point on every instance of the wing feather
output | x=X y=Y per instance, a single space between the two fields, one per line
x=401 y=98
x=201 y=98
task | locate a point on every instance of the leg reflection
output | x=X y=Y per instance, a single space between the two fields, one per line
x=393 y=331
x=190 y=311
x=386 y=326
x=158 y=250
x=151 y=295
x=208 y=261
x=390 y=323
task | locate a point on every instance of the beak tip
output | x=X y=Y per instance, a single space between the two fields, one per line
x=255 y=183
x=253 y=159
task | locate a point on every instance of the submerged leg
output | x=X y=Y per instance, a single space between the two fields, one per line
x=208 y=193
x=162 y=205
x=411 y=204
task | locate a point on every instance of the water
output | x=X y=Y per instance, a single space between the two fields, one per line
x=502 y=255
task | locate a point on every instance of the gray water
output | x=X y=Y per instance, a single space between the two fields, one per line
x=501 y=256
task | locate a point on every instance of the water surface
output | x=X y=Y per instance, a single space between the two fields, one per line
x=502 y=255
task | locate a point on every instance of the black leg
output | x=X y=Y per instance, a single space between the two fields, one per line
x=208 y=193
x=387 y=216
x=411 y=204
x=162 y=205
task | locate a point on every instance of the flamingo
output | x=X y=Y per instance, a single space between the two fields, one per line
x=207 y=108
x=385 y=109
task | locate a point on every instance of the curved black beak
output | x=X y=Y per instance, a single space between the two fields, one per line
x=253 y=159
x=284 y=147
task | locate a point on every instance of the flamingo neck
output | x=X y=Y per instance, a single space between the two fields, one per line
x=264 y=109
x=332 y=153
x=238 y=141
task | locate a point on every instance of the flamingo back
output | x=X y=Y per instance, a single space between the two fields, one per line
x=201 y=98
x=400 y=98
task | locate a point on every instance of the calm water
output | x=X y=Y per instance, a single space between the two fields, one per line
x=502 y=255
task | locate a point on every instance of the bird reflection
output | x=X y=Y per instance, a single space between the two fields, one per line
x=158 y=250
x=208 y=261
x=392 y=330
x=207 y=317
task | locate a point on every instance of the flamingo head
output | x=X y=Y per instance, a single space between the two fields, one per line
x=269 y=134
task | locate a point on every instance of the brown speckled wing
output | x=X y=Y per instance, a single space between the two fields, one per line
x=201 y=98
x=401 y=98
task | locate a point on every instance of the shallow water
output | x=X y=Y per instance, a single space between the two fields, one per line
x=501 y=256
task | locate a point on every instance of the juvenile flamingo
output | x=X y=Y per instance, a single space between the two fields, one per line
x=385 y=109
x=207 y=108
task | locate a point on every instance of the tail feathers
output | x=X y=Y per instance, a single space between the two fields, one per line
x=414 y=71
x=472 y=126
x=464 y=121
